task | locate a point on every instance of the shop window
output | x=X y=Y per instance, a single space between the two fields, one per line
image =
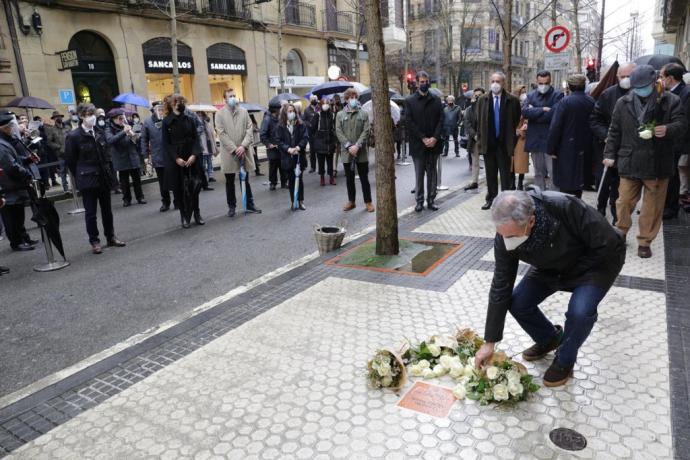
x=294 y=65
x=158 y=64
x=227 y=68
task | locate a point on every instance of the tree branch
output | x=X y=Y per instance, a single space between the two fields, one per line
x=531 y=20
x=500 y=19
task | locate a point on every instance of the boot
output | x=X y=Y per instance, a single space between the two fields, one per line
x=197 y=218
x=349 y=206
x=185 y=222
x=322 y=182
x=332 y=181
x=521 y=179
x=614 y=214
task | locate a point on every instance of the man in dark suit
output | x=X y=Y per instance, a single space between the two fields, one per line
x=498 y=114
x=424 y=124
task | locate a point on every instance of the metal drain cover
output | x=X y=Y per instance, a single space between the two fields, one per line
x=568 y=439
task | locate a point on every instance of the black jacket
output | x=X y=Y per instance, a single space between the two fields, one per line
x=15 y=179
x=423 y=118
x=298 y=138
x=123 y=150
x=585 y=250
x=600 y=119
x=87 y=159
x=269 y=135
x=180 y=140
x=681 y=145
x=322 y=132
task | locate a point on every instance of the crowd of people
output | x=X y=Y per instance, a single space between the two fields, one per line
x=626 y=139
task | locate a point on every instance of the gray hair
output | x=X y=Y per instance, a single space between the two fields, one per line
x=500 y=74
x=512 y=206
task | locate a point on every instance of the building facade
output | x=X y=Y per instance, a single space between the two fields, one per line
x=117 y=46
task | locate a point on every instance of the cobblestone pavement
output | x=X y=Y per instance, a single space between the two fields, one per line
x=280 y=373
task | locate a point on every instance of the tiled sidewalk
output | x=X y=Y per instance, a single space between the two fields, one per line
x=285 y=376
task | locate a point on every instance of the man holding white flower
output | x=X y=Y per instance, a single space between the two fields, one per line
x=645 y=124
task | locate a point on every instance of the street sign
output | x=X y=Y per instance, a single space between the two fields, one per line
x=66 y=96
x=68 y=59
x=556 y=61
x=557 y=39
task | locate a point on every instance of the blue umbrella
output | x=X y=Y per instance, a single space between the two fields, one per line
x=243 y=190
x=131 y=98
x=330 y=87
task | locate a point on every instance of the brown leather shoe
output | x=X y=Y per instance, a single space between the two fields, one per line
x=370 y=207
x=349 y=206
x=538 y=351
x=644 y=252
x=96 y=248
x=116 y=243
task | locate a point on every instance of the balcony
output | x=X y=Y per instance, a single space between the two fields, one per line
x=225 y=9
x=339 y=21
x=497 y=56
x=180 y=5
x=300 y=14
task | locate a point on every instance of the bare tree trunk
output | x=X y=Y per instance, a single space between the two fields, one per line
x=578 y=42
x=601 y=38
x=173 y=45
x=387 y=213
x=508 y=44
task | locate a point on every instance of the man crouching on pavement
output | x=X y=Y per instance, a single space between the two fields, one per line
x=570 y=247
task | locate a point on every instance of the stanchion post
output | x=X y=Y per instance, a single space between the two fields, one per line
x=439 y=180
x=404 y=161
x=75 y=200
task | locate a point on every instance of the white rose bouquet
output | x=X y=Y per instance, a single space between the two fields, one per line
x=387 y=369
x=503 y=380
x=468 y=344
x=646 y=131
x=428 y=354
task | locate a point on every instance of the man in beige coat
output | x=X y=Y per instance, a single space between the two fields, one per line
x=235 y=131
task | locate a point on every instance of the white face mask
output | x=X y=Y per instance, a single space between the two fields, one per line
x=495 y=88
x=624 y=83
x=291 y=116
x=686 y=78
x=514 y=241
x=90 y=121
x=523 y=97
x=543 y=89
x=101 y=122
x=325 y=107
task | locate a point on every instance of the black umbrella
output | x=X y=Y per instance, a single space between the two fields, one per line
x=252 y=108
x=191 y=187
x=657 y=60
x=29 y=102
x=399 y=99
x=366 y=95
x=276 y=100
x=45 y=215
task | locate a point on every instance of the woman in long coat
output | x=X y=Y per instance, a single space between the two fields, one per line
x=324 y=142
x=520 y=164
x=182 y=148
x=292 y=143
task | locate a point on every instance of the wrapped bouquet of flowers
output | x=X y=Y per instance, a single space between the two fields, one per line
x=431 y=358
x=468 y=344
x=502 y=380
x=387 y=368
x=646 y=131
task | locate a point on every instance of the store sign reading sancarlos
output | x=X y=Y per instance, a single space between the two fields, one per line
x=227 y=66
x=163 y=64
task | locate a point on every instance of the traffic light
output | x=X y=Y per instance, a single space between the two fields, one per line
x=591 y=70
x=411 y=82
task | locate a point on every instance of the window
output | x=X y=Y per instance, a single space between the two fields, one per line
x=293 y=64
x=472 y=36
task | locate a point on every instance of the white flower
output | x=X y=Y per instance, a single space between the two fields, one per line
x=459 y=391
x=428 y=373
x=513 y=377
x=439 y=370
x=416 y=370
x=384 y=369
x=387 y=381
x=457 y=372
x=469 y=370
x=515 y=389
x=434 y=349
x=501 y=392
x=492 y=373
x=424 y=364
x=646 y=134
x=447 y=361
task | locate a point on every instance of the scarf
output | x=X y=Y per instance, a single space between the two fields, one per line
x=644 y=113
x=544 y=229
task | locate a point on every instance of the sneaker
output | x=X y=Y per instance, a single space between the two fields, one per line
x=538 y=351
x=556 y=376
x=96 y=248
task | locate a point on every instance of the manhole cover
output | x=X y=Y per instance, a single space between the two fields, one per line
x=568 y=439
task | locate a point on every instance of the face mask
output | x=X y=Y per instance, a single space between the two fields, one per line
x=424 y=87
x=90 y=121
x=686 y=78
x=101 y=122
x=181 y=107
x=644 y=92
x=353 y=103
x=325 y=107
x=523 y=97
x=291 y=116
x=495 y=88
x=450 y=104
x=75 y=118
x=314 y=102
x=543 y=89
x=232 y=101
x=624 y=83
x=514 y=241
x=135 y=120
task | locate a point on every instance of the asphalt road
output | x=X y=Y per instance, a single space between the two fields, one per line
x=49 y=321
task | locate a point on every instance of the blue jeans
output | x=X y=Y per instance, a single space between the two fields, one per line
x=580 y=317
x=208 y=165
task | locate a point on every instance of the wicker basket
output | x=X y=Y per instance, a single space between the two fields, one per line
x=328 y=238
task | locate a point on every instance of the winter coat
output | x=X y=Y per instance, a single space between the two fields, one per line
x=352 y=127
x=423 y=118
x=681 y=146
x=570 y=140
x=15 y=178
x=471 y=126
x=638 y=158
x=584 y=250
x=322 y=133
x=520 y=156
x=87 y=159
x=539 y=121
x=55 y=138
x=269 y=135
x=180 y=140
x=234 y=129
x=152 y=141
x=509 y=119
x=308 y=116
x=208 y=138
x=298 y=138
x=452 y=116
x=600 y=119
x=123 y=150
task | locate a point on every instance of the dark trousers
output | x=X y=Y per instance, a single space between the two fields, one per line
x=398 y=148
x=328 y=160
x=256 y=162
x=425 y=163
x=609 y=189
x=363 y=171
x=230 y=191
x=273 y=170
x=13 y=215
x=580 y=317
x=292 y=182
x=92 y=198
x=124 y=177
x=496 y=161
x=312 y=156
x=673 y=193
x=446 y=143
x=165 y=194
x=577 y=193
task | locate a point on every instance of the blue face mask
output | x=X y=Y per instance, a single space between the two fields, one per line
x=645 y=91
x=353 y=103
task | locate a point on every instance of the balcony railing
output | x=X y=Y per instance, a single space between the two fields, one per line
x=497 y=56
x=339 y=21
x=300 y=14
x=226 y=9
x=180 y=5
